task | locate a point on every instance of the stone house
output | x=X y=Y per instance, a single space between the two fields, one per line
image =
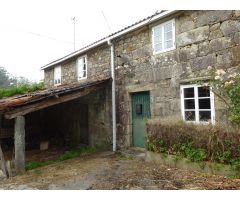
x=156 y=62
x=154 y=65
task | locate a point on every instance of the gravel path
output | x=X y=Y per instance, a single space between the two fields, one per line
x=115 y=171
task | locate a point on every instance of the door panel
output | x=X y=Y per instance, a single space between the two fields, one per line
x=140 y=114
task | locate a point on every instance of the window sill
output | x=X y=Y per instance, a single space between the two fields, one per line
x=79 y=79
x=164 y=51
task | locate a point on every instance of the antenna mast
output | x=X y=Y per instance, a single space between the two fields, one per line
x=74 y=36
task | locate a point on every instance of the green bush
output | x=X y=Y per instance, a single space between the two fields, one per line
x=195 y=142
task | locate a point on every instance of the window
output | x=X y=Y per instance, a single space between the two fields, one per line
x=57 y=75
x=82 y=67
x=197 y=103
x=163 y=37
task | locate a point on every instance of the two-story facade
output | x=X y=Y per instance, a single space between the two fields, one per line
x=156 y=62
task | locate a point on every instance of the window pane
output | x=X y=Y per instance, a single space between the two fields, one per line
x=204 y=91
x=204 y=103
x=157 y=31
x=190 y=115
x=189 y=104
x=204 y=115
x=168 y=44
x=158 y=47
x=168 y=27
x=84 y=74
x=168 y=36
x=188 y=92
x=157 y=39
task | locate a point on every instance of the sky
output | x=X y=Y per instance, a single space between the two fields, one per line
x=36 y=32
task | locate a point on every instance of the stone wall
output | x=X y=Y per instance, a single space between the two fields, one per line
x=98 y=67
x=203 y=38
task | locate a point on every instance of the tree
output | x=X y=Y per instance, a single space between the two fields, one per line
x=5 y=80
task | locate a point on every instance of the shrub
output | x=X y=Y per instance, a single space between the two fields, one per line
x=195 y=142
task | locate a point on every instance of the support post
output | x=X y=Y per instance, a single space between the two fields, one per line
x=19 y=142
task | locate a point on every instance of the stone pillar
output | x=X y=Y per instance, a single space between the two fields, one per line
x=19 y=142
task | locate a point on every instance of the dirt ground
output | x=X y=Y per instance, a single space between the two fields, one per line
x=106 y=170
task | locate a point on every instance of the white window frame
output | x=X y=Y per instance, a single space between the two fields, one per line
x=55 y=75
x=85 y=77
x=173 y=37
x=196 y=98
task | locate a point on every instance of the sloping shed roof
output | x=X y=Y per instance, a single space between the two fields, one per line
x=30 y=102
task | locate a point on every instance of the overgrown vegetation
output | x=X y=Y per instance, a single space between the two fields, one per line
x=196 y=142
x=76 y=152
x=66 y=155
x=21 y=89
x=226 y=85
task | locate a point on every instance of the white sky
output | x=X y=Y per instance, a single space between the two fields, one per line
x=34 y=33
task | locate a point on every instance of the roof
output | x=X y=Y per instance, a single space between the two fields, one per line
x=47 y=97
x=139 y=24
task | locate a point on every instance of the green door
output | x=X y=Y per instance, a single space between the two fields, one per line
x=140 y=114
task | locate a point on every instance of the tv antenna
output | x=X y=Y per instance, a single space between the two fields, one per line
x=74 y=34
x=106 y=21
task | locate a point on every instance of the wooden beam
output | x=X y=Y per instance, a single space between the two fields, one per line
x=19 y=143
x=49 y=102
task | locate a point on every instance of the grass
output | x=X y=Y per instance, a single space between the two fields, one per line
x=76 y=152
x=36 y=164
x=21 y=89
x=66 y=155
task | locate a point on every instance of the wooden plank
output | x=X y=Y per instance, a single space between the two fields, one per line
x=49 y=102
x=3 y=163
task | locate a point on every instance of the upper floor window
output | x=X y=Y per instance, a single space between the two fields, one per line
x=197 y=103
x=82 y=67
x=57 y=75
x=163 y=37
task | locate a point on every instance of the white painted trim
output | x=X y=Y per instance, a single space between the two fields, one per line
x=173 y=37
x=60 y=67
x=195 y=86
x=125 y=31
x=78 y=68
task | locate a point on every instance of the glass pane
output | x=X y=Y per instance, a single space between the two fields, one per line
x=189 y=104
x=204 y=103
x=157 y=39
x=168 y=36
x=80 y=74
x=157 y=31
x=188 y=92
x=158 y=47
x=190 y=115
x=204 y=91
x=168 y=44
x=84 y=74
x=168 y=27
x=204 y=115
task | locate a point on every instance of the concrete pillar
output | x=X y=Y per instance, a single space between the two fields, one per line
x=19 y=142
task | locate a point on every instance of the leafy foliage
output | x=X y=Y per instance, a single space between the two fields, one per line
x=7 y=80
x=196 y=142
x=226 y=85
x=20 y=90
